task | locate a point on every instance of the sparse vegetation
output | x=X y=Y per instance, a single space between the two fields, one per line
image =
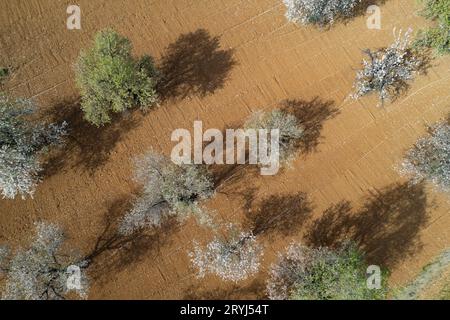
x=111 y=80
x=445 y=293
x=319 y=12
x=320 y=274
x=233 y=258
x=168 y=189
x=388 y=69
x=425 y=279
x=22 y=143
x=41 y=272
x=4 y=72
x=437 y=37
x=290 y=130
x=430 y=158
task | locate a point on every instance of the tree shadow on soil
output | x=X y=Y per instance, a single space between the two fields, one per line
x=85 y=145
x=280 y=214
x=194 y=64
x=114 y=252
x=253 y=291
x=386 y=228
x=311 y=115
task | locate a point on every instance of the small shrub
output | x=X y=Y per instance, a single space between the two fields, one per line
x=437 y=37
x=430 y=158
x=319 y=12
x=22 y=142
x=320 y=274
x=232 y=259
x=168 y=189
x=4 y=72
x=388 y=69
x=40 y=272
x=290 y=130
x=111 y=80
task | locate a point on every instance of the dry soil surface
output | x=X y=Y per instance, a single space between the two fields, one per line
x=225 y=59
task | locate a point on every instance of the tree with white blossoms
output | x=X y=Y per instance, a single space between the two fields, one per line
x=233 y=258
x=22 y=142
x=168 y=190
x=319 y=12
x=290 y=131
x=42 y=271
x=430 y=158
x=388 y=69
x=320 y=274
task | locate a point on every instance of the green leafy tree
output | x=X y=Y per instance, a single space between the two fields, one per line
x=321 y=274
x=438 y=36
x=111 y=80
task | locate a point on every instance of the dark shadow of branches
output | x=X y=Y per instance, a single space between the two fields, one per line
x=85 y=145
x=280 y=214
x=114 y=252
x=253 y=291
x=311 y=115
x=194 y=64
x=386 y=227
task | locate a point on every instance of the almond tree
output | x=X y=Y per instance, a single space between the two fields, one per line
x=387 y=70
x=22 y=143
x=232 y=258
x=430 y=158
x=319 y=12
x=42 y=271
x=290 y=131
x=168 y=190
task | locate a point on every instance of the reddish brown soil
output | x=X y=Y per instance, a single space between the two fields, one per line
x=346 y=171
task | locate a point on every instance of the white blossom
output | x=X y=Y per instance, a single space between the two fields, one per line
x=233 y=259
x=388 y=69
x=21 y=144
x=40 y=272
x=320 y=12
x=430 y=158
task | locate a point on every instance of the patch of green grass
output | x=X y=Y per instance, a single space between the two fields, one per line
x=445 y=293
x=437 y=37
x=4 y=72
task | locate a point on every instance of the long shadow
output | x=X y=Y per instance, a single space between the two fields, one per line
x=311 y=115
x=194 y=64
x=386 y=227
x=85 y=145
x=253 y=291
x=280 y=214
x=114 y=252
